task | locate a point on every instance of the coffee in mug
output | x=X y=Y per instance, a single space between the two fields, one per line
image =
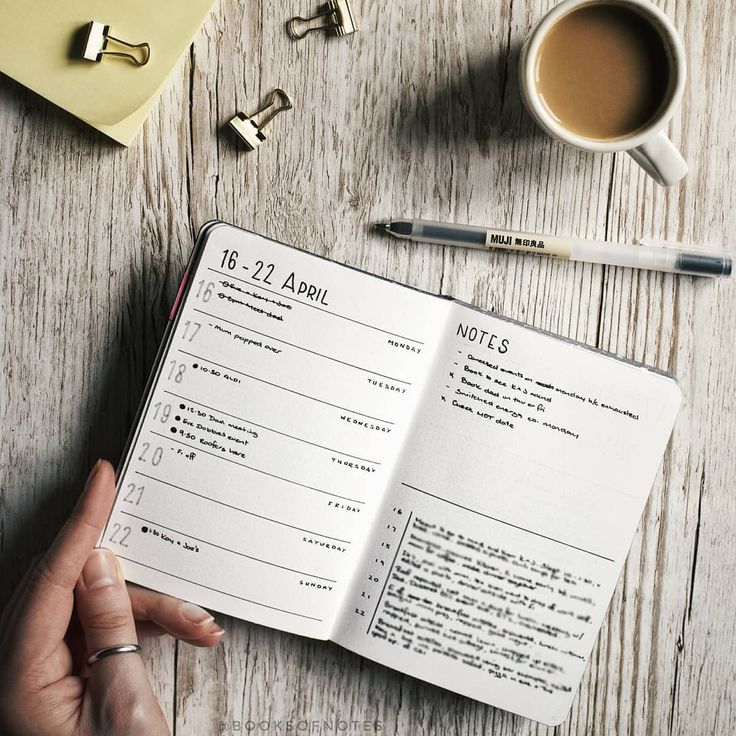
x=602 y=71
x=606 y=76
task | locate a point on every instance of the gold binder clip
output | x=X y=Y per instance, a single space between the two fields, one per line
x=96 y=39
x=339 y=15
x=248 y=130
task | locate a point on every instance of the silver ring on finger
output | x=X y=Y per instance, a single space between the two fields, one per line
x=110 y=651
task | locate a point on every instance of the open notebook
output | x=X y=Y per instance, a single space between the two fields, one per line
x=437 y=488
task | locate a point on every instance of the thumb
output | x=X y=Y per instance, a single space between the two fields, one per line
x=118 y=686
x=103 y=604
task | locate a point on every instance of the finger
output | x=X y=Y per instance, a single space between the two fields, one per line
x=77 y=645
x=42 y=617
x=118 y=698
x=103 y=604
x=148 y=630
x=180 y=619
x=64 y=561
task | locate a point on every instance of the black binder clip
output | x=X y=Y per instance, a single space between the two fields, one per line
x=339 y=16
x=248 y=130
x=96 y=40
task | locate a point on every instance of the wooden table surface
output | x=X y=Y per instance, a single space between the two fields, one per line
x=418 y=114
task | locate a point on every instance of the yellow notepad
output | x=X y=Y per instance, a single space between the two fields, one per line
x=37 y=48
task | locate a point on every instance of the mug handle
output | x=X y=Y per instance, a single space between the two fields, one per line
x=660 y=159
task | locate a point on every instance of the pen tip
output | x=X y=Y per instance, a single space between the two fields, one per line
x=382 y=226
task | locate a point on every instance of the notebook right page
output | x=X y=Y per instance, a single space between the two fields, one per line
x=510 y=516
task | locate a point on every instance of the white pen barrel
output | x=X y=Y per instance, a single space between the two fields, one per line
x=653 y=258
x=631 y=256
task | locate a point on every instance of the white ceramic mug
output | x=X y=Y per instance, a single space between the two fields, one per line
x=649 y=146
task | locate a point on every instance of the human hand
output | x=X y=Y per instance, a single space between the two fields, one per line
x=75 y=602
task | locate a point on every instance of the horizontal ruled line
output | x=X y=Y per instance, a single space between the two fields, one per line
x=243 y=511
x=255 y=470
x=216 y=590
x=228 y=549
x=284 y=388
x=508 y=523
x=314 y=306
x=270 y=429
x=301 y=347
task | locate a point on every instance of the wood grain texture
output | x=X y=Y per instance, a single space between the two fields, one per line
x=417 y=114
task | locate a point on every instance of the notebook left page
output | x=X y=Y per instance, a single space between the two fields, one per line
x=275 y=412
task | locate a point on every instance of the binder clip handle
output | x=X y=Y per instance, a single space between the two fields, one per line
x=286 y=104
x=145 y=48
x=340 y=19
x=251 y=132
x=96 y=39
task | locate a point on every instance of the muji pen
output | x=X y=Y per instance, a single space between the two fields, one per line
x=652 y=257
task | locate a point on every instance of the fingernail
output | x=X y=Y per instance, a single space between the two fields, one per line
x=100 y=570
x=217 y=631
x=93 y=472
x=195 y=614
